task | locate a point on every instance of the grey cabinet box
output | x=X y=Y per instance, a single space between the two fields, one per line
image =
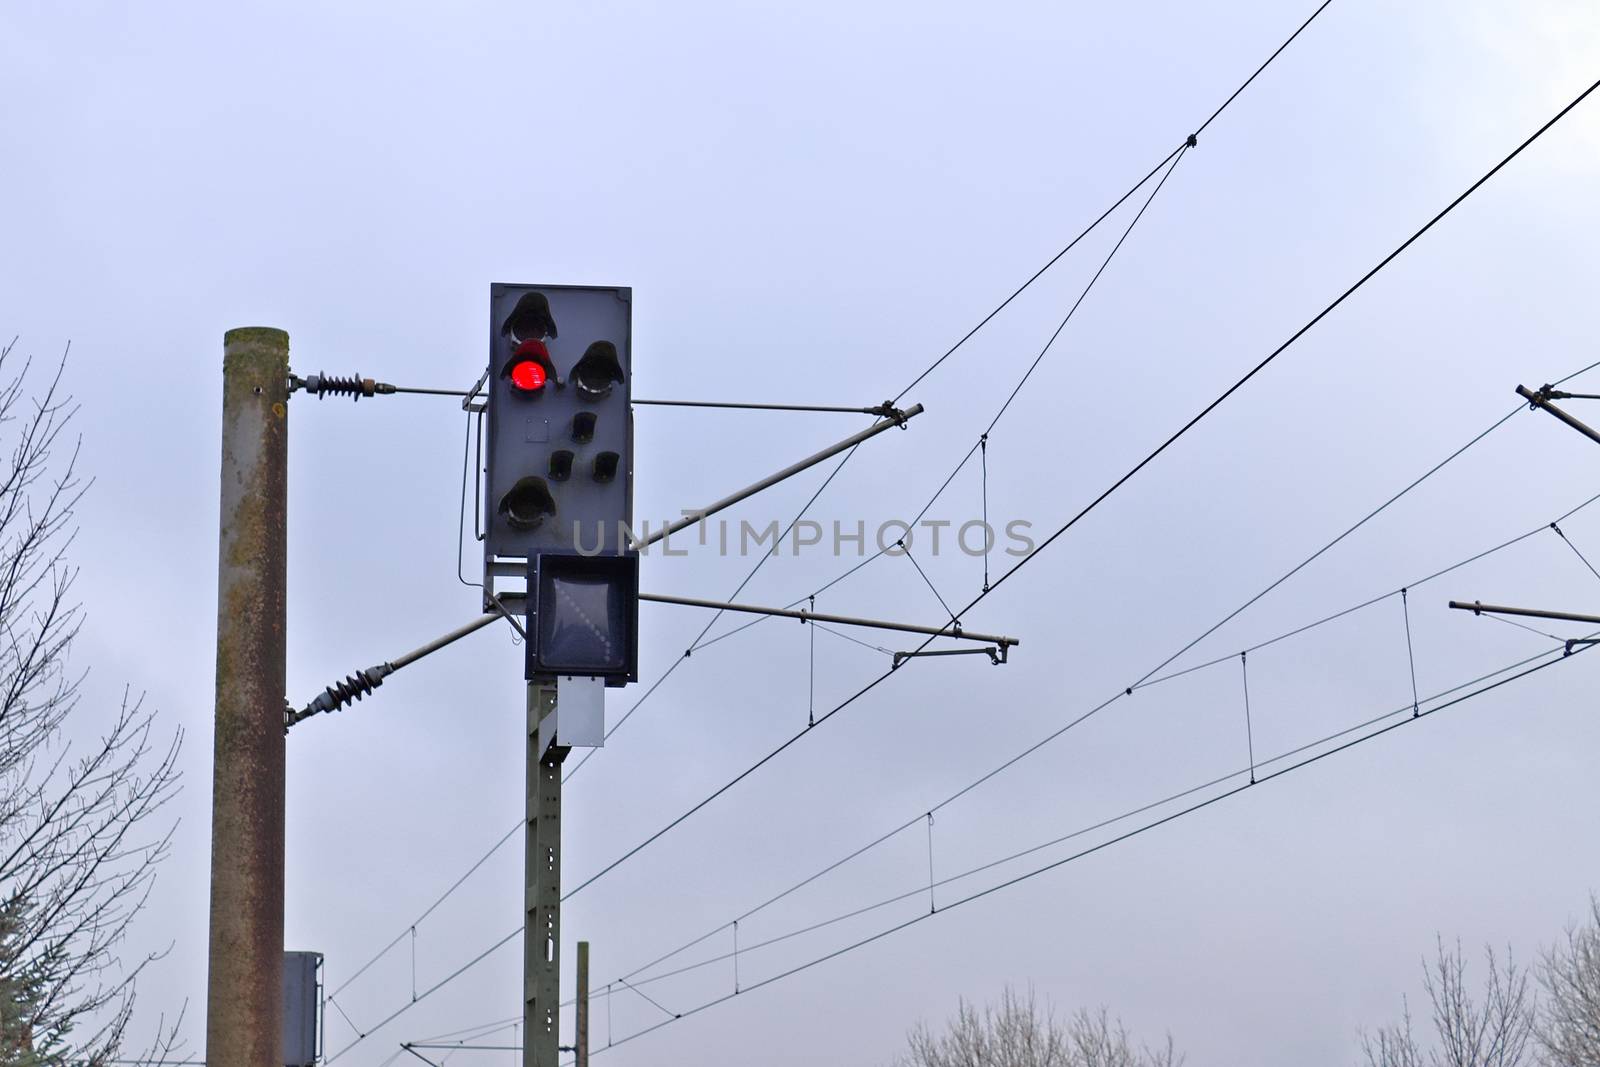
x=300 y=998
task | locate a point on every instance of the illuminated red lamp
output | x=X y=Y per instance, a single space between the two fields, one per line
x=530 y=367
x=527 y=376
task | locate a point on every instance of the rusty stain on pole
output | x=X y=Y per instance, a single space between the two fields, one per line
x=244 y=1007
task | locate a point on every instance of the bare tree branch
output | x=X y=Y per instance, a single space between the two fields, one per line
x=1569 y=1020
x=1018 y=1033
x=78 y=845
x=1494 y=1031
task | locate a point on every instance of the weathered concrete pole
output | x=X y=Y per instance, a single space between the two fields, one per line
x=244 y=1005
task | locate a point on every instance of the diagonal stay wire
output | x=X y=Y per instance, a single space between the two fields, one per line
x=1097 y=847
x=1070 y=245
x=1108 y=491
x=1119 y=201
x=1176 y=159
x=648 y=997
x=340 y=1009
x=928 y=581
x=882 y=551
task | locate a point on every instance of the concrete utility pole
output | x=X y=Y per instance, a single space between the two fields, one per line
x=541 y=933
x=244 y=1004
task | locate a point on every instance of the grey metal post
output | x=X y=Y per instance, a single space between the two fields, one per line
x=581 y=1015
x=244 y=987
x=541 y=935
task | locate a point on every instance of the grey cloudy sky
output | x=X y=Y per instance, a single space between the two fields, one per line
x=810 y=203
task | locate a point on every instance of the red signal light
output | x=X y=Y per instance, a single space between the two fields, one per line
x=527 y=376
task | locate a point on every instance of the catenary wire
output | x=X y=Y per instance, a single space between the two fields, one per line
x=1103 y=845
x=425 y=994
x=979 y=445
x=1102 y=496
x=1035 y=747
x=1184 y=429
x=810 y=725
x=1171 y=157
x=1012 y=857
x=1149 y=682
x=699 y=642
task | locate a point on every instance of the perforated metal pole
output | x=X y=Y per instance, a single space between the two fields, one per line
x=541 y=983
x=244 y=985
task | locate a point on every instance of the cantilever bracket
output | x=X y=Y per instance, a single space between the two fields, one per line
x=952 y=631
x=1477 y=607
x=899 y=418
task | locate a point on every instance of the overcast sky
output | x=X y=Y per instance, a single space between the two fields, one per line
x=810 y=204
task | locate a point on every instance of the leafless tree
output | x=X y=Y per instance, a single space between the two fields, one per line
x=1494 y=1032
x=1018 y=1033
x=79 y=844
x=1569 y=1018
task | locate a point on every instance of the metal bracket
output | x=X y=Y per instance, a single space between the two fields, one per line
x=996 y=654
x=1542 y=398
